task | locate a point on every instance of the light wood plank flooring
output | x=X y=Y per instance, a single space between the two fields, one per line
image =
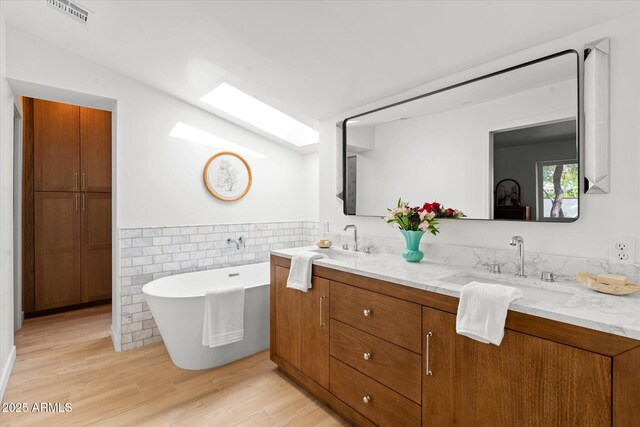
x=69 y=358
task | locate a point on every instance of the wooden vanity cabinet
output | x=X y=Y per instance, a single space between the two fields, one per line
x=301 y=333
x=389 y=355
x=525 y=381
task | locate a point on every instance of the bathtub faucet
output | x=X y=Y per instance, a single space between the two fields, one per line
x=239 y=241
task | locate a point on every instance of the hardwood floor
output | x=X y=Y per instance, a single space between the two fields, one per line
x=69 y=358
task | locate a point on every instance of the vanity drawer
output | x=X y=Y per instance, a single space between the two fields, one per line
x=386 y=317
x=393 y=366
x=385 y=407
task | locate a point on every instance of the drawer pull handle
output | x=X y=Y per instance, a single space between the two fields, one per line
x=366 y=312
x=427 y=370
x=322 y=311
x=366 y=356
x=366 y=399
x=75 y=186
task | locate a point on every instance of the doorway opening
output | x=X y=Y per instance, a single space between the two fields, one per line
x=536 y=172
x=66 y=223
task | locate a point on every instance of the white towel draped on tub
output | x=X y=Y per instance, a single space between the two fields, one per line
x=300 y=271
x=223 y=316
x=482 y=311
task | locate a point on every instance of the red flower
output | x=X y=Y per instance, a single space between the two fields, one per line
x=431 y=207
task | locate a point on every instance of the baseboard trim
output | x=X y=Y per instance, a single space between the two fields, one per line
x=6 y=372
x=115 y=339
x=66 y=309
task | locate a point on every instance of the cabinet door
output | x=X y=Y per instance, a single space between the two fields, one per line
x=314 y=322
x=96 y=246
x=57 y=241
x=302 y=326
x=287 y=314
x=525 y=381
x=56 y=154
x=95 y=142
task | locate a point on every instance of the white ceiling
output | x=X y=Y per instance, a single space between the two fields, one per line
x=310 y=59
x=564 y=131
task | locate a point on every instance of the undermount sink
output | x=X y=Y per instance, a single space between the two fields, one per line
x=559 y=296
x=337 y=254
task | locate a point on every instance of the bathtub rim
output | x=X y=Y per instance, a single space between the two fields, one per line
x=147 y=292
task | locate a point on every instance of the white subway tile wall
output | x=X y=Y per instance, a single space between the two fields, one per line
x=147 y=254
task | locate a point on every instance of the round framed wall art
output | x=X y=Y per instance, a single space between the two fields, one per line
x=227 y=176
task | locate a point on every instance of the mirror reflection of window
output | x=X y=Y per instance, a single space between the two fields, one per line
x=558 y=190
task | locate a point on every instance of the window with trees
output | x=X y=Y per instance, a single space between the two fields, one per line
x=558 y=189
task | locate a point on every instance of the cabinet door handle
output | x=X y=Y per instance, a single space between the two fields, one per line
x=427 y=369
x=76 y=202
x=75 y=175
x=366 y=312
x=84 y=181
x=322 y=311
x=84 y=205
x=366 y=399
x=366 y=356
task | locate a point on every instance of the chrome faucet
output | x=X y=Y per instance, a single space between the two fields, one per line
x=355 y=235
x=239 y=241
x=519 y=242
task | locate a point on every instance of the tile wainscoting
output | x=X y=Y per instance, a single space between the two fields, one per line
x=150 y=253
x=563 y=267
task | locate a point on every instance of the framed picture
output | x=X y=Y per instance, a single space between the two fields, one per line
x=227 y=176
x=507 y=193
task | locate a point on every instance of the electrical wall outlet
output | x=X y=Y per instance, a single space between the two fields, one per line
x=622 y=250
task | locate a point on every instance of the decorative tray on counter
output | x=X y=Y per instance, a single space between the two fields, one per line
x=608 y=284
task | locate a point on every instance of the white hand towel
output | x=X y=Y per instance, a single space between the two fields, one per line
x=223 y=316
x=482 y=311
x=300 y=271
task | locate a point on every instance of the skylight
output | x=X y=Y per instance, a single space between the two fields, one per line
x=246 y=108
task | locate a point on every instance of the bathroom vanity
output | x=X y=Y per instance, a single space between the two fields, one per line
x=375 y=340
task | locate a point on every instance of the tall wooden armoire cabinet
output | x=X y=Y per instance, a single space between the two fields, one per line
x=66 y=205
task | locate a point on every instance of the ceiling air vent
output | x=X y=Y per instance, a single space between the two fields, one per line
x=70 y=9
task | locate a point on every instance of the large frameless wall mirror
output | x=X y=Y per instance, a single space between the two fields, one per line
x=503 y=146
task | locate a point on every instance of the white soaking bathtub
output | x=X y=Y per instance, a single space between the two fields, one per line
x=177 y=305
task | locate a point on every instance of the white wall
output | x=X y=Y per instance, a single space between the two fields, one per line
x=7 y=349
x=311 y=184
x=602 y=216
x=160 y=177
x=17 y=212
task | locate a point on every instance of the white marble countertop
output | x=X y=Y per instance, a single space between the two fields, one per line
x=618 y=315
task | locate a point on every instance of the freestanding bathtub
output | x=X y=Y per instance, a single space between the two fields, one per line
x=177 y=305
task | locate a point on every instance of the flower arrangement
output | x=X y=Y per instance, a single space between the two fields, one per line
x=423 y=218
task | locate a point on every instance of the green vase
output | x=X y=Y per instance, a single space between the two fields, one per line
x=413 y=252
